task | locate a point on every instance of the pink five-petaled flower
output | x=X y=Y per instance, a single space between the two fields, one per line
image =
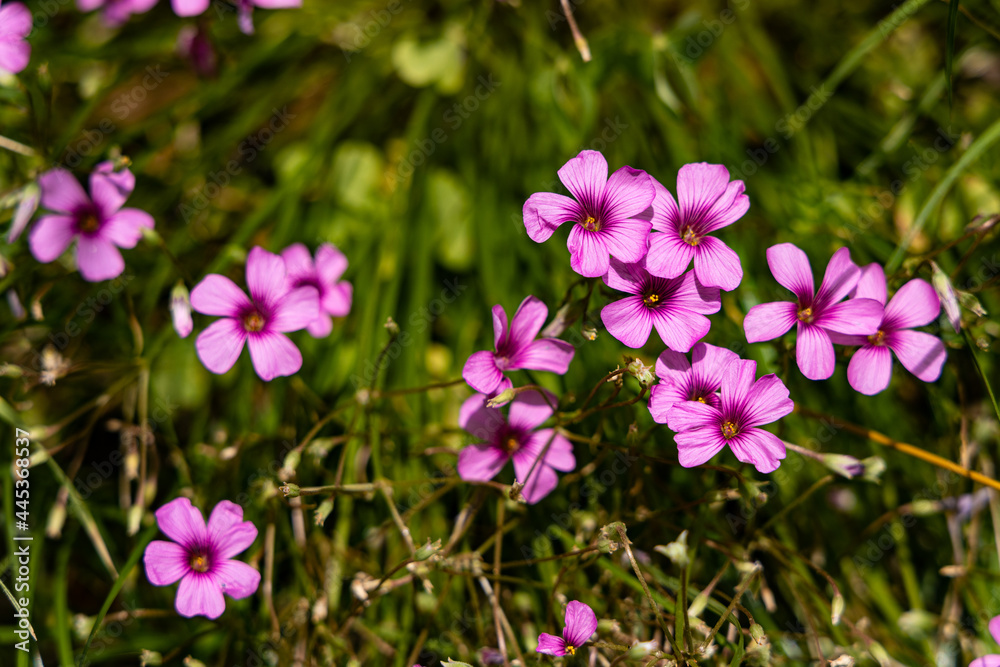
x=536 y=454
x=98 y=223
x=703 y=430
x=676 y=307
x=202 y=557
x=323 y=274
x=816 y=313
x=994 y=659
x=680 y=380
x=517 y=349
x=581 y=623
x=116 y=12
x=15 y=26
x=604 y=211
x=914 y=305
x=273 y=309
x=244 y=7
x=706 y=202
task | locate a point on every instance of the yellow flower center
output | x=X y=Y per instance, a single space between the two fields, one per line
x=512 y=444
x=729 y=430
x=690 y=236
x=591 y=224
x=651 y=299
x=253 y=321
x=570 y=649
x=199 y=563
x=806 y=315
x=89 y=224
x=878 y=338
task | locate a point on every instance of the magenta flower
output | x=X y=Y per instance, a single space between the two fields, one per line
x=273 y=309
x=581 y=623
x=676 y=307
x=116 y=12
x=323 y=274
x=202 y=557
x=914 y=305
x=15 y=26
x=604 y=211
x=680 y=380
x=516 y=348
x=815 y=314
x=536 y=454
x=244 y=7
x=97 y=223
x=994 y=659
x=706 y=202
x=703 y=430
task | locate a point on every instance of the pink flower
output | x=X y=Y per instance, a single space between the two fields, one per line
x=536 y=454
x=994 y=659
x=604 y=211
x=676 y=307
x=201 y=557
x=815 y=314
x=914 y=305
x=273 y=309
x=516 y=348
x=703 y=430
x=244 y=7
x=116 y=12
x=15 y=26
x=334 y=295
x=98 y=223
x=682 y=381
x=581 y=623
x=707 y=202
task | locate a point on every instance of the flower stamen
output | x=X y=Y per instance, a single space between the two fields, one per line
x=570 y=649
x=253 y=321
x=89 y=224
x=512 y=444
x=806 y=315
x=199 y=562
x=729 y=430
x=878 y=338
x=690 y=236
x=651 y=299
x=591 y=224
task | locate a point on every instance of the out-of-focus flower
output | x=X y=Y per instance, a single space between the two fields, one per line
x=15 y=26
x=26 y=208
x=676 y=307
x=201 y=556
x=815 y=313
x=194 y=44
x=994 y=659
x=581 y=623
x=180 y=310
x=273 y=309
x=604 y=211
x=335 y=295
x=243 y=7
x=116 y=12
x=706 y=202
x=680 y=380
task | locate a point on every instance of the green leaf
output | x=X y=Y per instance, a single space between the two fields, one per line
x=949 y=46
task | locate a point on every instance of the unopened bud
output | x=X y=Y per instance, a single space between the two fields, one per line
x=642 y=650
x=844 y=465
x=427 y=550
x=323 y=511
x=836 y=609
x=641 y=372
x=757 y=632
x=391 y=327
x=180 y=310
x=193 y=662
x=949 y=300
x=588 y=332
x=676 y=551
x=290 y=490
x=502 y=399
x=150 y=658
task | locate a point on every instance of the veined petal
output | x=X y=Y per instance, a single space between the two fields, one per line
x=668 y=255
x=500 y=327
x=860 y=317
x=228 y=533
x=737 y=380
x=330 y=263
x=298 y=262
x=559 y=455
x=482 y=422
x=588 y=252
x=673 y=367
x=581 y=623
x=840 y=278
x=679 y=329
x=814 y=352
x=236 y=579
x=266 y=278
x=758 y=447
x=666 y=214
x=698 y=446
x=871 y=284
x=50 y=237
x=481 y=462
x=296 y=310
x=628 y=320
x=481 y=372
x=766 y=401
x=321 y=326
x=730 y=207
x=218 y=295
x=124 y=228
x=166 y=562
x=182 y=522
x=273 y=355
x=767 y=321
x=550 y=644
x=110 y=189
x=545 y=212
x=708 y=363
x=199 y=595
x=525 y=325
x=692 y=295
x=914 y=305
x=14 y=54
x=693 y=415
x=662 y=397
x=98 y=259
x=624 y=277
x=585 y=176
x=870 y=369
x=530 y=409
x=538 y=479
x=61 y=192
x=626 y=239
x=920 y=353
x=627 y=193
x=336 y=300
x=545 y=354
x=699 y=186
x=790 y=267
x=220 y=344
x=717 y=265
x=15 y=21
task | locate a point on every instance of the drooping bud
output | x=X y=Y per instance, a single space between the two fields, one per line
x=180 y=310
x=946 y=292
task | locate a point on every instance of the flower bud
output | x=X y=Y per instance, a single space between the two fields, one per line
x=676 y=551
x=180 y=310
x=949 y=300
x=641 y=372
x=150 y=658
x=290 y=490
x=642 y=650
x=757 y=632
x=427 y=550
x=391 y=327
x=837 y=609
x=30 y=196
x=502 y=399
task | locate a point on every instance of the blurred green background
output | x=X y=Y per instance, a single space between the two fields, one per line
x=409 y=134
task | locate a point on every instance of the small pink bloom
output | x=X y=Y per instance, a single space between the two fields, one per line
x=706 y=202
x=816 y=314
x=201 y=557
x=116 y=12
x=180 y=310
x=244 y=8
x=273 y=309
x=516 y=348
x=994 y=659
x=324 y=274
x=536 y=454
x=581 y=623
x=915 y=304
x=680 y=380
x=605 y=211
x=703 y=430
x=97 y=223
x=676 y=307
x=15 y=26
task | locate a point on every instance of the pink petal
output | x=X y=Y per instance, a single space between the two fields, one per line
x=295 y=310
x=545 y=354
x=814 y=352
x=337 y=299
x=790 y=267
x=189 y=7
x=15 y=21
x=697 y=447
x=166 y=562
x=628 y=320
x=717 y=265
x=228 y=533
x=544 y=212
x=527 y=322
x=236 y=579
x=481 y=372
x=98 y=259
x=110 y=190
x=550 y=644
x=870 y=369
x=665 y=213
x=298 y=263
x=693 y=415
x=500 y=326
x=709 y=363
x=914 y=305
x=920 y=353
x=50 y=237
x=218 y=295
x=277 y=4
x=219 y=345
x=124 y=228
x=61 y=192
x=482 y=422
x=758 y=447
x=199 y=595
x=766 y=402
x=673 y=367
x=628 y=193
x=995 y=629
x=699 y=185
x=321 y=326
x=481 y=462
x=986 y=661
x=871 y=284
x=624 y=277
x=668 y=256
x=182 y=522
x=840 y=278
x=530 y=409
x=559 y=455
x=581 y=623
x=679 y=330
x=662 y=397
x=266 y=277
x=586 y=176
x=729 y=208
x=539 y=480
x=737 y=381
x=767 y=321
x=273 y=355
x=330 y=263
x=588 y=252
x=626 y=239
x=859 y=317
x=692 y=295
